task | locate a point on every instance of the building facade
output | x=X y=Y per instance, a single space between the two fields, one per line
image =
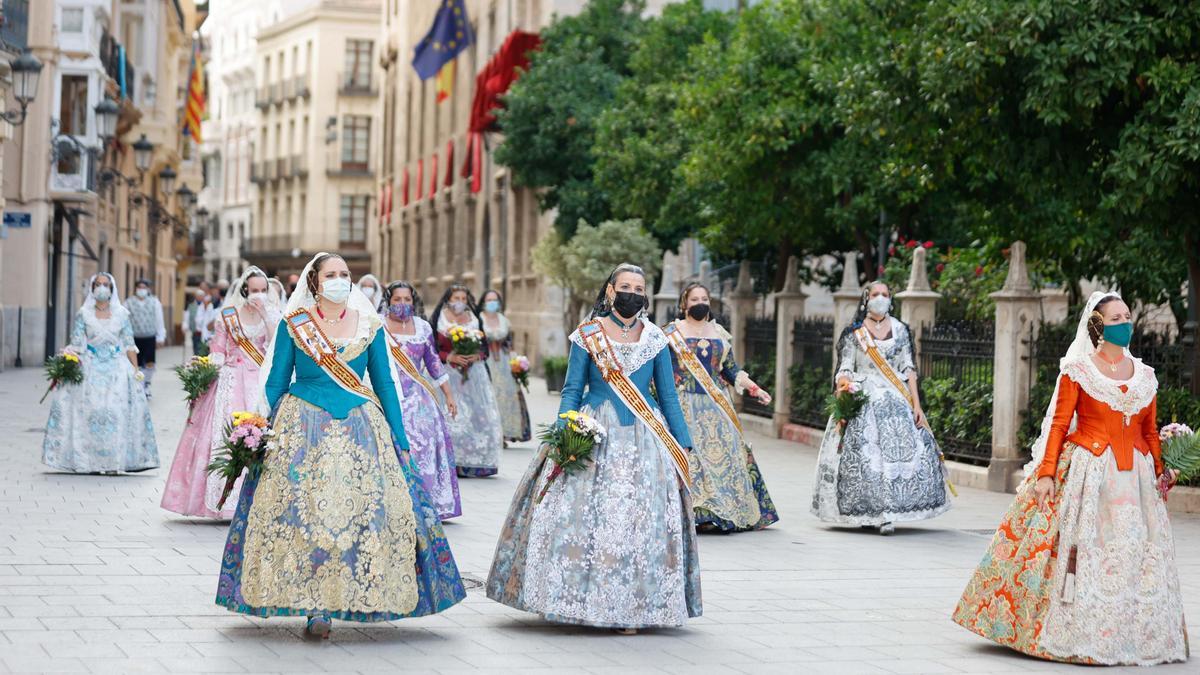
x=87 y=207
x=314 y=160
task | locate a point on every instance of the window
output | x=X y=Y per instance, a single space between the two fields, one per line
x=358 y=64
x=356 y=142
x=72 y=20
x=353 y=219
x=72 y=116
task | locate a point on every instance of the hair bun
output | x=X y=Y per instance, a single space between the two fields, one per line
x=1095 y=328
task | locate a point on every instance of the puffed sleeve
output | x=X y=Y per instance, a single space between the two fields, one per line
x=127 y=335
x=1068 y=397
x=668 y=399
x=283 y=362
x=79 y=339
x=433 y=364
x=1150 y=433
x=576 y=379
x=218 y=345
x=904 y=356
x=849 y=348
x=380 y=370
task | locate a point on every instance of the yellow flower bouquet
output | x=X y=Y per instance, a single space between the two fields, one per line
x=197 y=375
x=569 y=444
x=62 y=368
x=465 y=342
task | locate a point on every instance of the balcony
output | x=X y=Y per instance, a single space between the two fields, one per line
x=300 y=83
x=257 y=173
x=262 y=98
x=282 y=168
x=289 y=89
x=299 y=166
x=351 y=170
x=356 y=84
x=269 y=172
x=110 y=58
x=277 y=93
x=14 y=25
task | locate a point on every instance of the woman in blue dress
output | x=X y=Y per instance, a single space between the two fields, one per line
x=727 y=486
x=337 y=525
x=612 y=545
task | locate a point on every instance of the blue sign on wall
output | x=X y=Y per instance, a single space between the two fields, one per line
x=18 y=219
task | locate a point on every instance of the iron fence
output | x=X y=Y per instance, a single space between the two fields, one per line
x=957 y=368
x=759 y=362
x=811 y=374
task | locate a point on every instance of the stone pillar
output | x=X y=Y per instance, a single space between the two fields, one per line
x=1018 y=310
x=668 y=291
x=789 y=306
x=740 y=306
x=918 y=302
x=845 y=299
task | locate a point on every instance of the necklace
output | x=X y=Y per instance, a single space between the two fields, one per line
x=1112 y=365
x=620 y=324
x=328 y=320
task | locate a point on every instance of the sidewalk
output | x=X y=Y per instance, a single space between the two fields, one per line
x=95 y=577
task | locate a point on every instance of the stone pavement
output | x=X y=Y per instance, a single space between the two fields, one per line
x=95 y=577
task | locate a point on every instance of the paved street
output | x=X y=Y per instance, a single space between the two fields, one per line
x=95 y=577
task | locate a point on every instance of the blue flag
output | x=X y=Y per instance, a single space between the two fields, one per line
x=449 y=36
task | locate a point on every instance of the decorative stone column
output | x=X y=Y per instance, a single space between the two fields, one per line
x=668 y=290
x=1018 y=311
x=789 y=306
x=845 y=299
x=918 y=302
x=740 y=306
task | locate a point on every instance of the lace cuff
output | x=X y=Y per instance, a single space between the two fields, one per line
x=441 y=380
x=742 y=382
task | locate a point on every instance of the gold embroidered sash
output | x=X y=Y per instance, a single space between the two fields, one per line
x=688 y=358
x=309 y=337
x=600 y=349
x=406 y=364
x=233 y=326
x=868 y=345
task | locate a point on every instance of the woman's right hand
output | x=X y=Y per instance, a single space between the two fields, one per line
x=843 y=384
x=1043 y=489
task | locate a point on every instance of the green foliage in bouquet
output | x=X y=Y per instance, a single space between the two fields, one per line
x=62 y=368
x=844 y=406
x=197 y=376
x=1182 y=453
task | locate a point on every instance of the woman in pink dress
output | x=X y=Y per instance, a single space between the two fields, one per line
x=242 y=335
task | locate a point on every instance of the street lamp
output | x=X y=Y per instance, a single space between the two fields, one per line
x=26 y=72
x=106 y=118
x=187 y=198
x=166 y=181
x=142 y=150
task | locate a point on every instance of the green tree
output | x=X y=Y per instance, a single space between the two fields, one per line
x=582 y=264
x=549 y=120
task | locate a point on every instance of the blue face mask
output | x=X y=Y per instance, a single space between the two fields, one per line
x=491 y=306
x=1119 y=334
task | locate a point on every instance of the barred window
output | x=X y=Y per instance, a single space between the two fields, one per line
x=356 y=142
x=353 y=220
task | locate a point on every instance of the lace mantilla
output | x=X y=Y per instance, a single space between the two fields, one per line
x=634 y=355
x=500 y=332
x=1139 y=390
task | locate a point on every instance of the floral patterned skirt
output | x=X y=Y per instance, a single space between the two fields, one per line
x=430 y=446
x=1121 y=604
x=613 y=545
x=514 y=413
x=475 y=432
x=337 y=522
x=728 y=489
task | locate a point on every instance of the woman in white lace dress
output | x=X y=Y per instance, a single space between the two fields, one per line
x=614 y=544
x=101 y=425
x=514 y=414
x=1082 y=568
x=885 y=467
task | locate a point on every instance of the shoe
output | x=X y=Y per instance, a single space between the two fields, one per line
x=319 y=626
x=887 y=528
x=625 y=631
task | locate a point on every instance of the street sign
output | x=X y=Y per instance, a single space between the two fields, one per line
x=18 y=219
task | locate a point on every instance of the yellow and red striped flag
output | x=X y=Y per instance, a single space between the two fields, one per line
x=196 y=96
x=445 y=81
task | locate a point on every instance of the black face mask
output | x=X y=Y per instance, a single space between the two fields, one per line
x=628 y=304
x=698 y=312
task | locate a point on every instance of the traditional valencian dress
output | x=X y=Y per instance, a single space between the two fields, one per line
x=514 y=413
x=428 y=434
x=613 y=545
x=883 y=468
x=727 y=488
x=338 y=522
x=476 y=431
x=103 y=423
x=238 y=349
x=1093 y=578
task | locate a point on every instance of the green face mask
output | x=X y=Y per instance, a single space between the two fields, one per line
x=1119 y=334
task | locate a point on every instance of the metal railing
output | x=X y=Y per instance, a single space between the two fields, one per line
x=356 y=84
x=300 y=85
x=283 y=168
x=299 y=165
x=811 y=376
x=760 y=362
x=957 y=372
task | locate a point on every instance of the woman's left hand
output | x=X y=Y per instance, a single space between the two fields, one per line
x=452 y=408
x=919 y=418
x=763 y=397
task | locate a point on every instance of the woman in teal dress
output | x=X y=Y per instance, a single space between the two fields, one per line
x=337 y=525
x=727 y=487
x=614 y=544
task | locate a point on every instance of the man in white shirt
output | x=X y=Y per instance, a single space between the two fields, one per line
x=149 y=331
x=198 y=320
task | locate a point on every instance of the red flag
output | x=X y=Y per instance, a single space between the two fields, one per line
x=433 y=177
x=404 y=187
x=449 y=163
x=387 y=215
x=477 y=164
x=420 y=178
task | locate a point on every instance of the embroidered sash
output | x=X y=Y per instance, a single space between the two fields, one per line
x=601 y=350
x=688 y=358
x=313 y=342
x=868 y=345
x=406 y=364
x=233 y=326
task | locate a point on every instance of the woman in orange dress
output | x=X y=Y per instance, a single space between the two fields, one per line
x=1082 y=568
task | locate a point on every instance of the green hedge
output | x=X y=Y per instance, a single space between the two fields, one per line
x=810 y=387
x=959 y=413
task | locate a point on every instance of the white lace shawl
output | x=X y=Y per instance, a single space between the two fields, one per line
x=634 y=355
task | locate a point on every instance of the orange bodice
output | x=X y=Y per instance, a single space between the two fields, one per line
x=1099 y=427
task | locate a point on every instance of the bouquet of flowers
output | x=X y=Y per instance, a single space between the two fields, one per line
x=519 y=365
x=844 y=406
x=1180 y=451
x=247 y=439
x=60 y=368
x=570 y=445
x=197 y=375
x=465 y=342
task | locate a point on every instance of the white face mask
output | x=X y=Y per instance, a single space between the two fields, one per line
x=102 y=293
x=143 y=293
x=369 y=291
x=879 y=305
x=336 y=290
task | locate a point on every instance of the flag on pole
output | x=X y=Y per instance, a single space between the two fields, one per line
x=447 y=38
x=445 y=82
x=194 y=109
